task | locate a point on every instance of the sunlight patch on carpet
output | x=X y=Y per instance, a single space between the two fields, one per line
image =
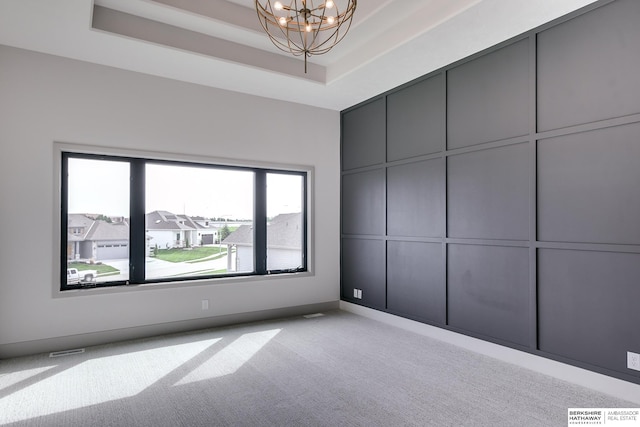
x=97 y=381
x=231 y=358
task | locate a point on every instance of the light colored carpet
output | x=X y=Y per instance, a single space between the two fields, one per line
x=339 y=369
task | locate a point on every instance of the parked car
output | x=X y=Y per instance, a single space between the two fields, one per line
x=75 y=276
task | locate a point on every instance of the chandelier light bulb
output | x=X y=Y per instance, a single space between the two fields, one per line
x=282 y=20
x=277 y=5
x=331 y=19
x=329 y=4
x=308 y=28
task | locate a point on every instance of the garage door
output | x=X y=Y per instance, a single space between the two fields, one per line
x=207 y=239
x=112 y=251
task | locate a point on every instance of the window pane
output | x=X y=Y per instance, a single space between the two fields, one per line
x=199 y=221
x=97 y=221
x=285 y=228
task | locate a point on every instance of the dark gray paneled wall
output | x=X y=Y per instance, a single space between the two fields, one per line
x=488 y=193
x=500 y=196
x=416 y=120
x=488 y=98
x=588 y=67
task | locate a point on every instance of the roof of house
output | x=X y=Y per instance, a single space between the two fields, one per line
x=283 y=232
x=79 y=220
x=243 y=235
x=96 y=229
x=164 y=220
x=82 y=221
x=103 y=230
x=189 y=221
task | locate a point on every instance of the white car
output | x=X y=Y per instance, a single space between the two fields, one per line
x=80 y=276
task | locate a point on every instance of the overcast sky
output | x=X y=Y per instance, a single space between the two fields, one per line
x=102 y=187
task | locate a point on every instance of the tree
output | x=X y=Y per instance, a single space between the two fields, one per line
x=224 y=232
x=103 y=217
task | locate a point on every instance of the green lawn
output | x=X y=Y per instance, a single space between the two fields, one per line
x=100 y=268
x=182 y=255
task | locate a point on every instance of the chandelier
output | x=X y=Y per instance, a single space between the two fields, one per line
x=306 y=27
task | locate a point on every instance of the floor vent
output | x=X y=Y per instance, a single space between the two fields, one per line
x=311 y=316
x=66 y=352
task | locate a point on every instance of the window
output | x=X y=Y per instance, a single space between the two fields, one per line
x=285 y=229
x=151 y=221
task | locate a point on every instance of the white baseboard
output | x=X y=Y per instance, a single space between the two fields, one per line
x=593 y=380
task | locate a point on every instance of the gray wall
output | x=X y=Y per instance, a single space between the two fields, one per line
x=499 y=196
x=45 y=99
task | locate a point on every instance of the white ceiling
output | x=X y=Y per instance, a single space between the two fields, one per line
x=220 y=43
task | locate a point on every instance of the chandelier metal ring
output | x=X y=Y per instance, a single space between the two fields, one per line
x=306 y=27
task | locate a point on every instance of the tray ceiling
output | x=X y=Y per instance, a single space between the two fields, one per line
x=220 y=43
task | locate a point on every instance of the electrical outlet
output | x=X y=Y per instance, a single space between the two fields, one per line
x=633 y=360
x=355 y=293
x=205 y=304
x=359 y=293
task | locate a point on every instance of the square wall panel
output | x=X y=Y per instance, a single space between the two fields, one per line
x=489 y=291
x=589 y=187
x=415 y=280
x=488 y=194
x=363 y=202
x=362 y=267
x=588 y=306
x=415 y=119
x=588 y=67
x=488 y=97
x=364 y=135
x=415 y=199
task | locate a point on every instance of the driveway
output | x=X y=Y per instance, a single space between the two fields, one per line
x=156 y=268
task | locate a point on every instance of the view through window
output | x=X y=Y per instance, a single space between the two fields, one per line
x=191 y=212
x=97 y=239
x=129 y=220
x=285 y=229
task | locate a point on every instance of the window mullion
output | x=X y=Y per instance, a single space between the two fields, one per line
x=137 y=234
x=260 y=222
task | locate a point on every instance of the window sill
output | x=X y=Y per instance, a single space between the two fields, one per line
x=223 y=281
